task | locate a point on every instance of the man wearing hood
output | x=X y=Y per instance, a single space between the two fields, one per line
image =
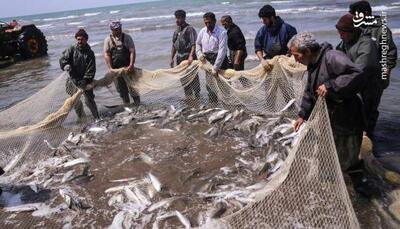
x=271 y=40
x=382 y=36
x=332 y=75
x=363 y=51
x=79 y=61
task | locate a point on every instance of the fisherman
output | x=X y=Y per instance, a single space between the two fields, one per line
x=79 y=61
x=271 y=39
x=332 y=75
x=236 y=43
x=382 y=35
x=184 y=46
x=363 y=51
x=119 y=52
x=211 y=45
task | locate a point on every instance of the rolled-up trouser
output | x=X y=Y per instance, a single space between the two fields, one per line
x=192 y=88
x=372 y=98
x=211 y=86
x=348 y=148
x=71 y=89
x=124 y=91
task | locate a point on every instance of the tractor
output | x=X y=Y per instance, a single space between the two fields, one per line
x=20 y=42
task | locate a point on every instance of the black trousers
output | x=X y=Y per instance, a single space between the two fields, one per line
x=193 y=88
x=372 y=97
x=211 y=86
x=124 y=91
x=71 y=89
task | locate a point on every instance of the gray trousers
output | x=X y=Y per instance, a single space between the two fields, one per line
x=193 y=88
x=71 y=89
x=348 y=149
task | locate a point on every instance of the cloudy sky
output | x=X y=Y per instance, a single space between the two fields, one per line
x=29 y=7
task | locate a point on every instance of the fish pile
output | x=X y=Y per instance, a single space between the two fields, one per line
x=143 y=202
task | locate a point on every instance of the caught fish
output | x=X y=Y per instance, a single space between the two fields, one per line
x=67 y=176
x=185 y=221
x=127 y=109
x=34 y=187
x=118 y=198
x=155 y=182
x=49 y=145
x=228 y=117
x=118 y=220
x=160 y=204
x=74 y=139
x=131 y=196
x=70 y=201
x=216 y=116
x=142 y=197
x=146 y=122
x=75 y=162
x=13 y=162
x=288 y=105
x=123 y=180
x=118 y=188
x=97 y=129
x=23 y=208
x=213 y=131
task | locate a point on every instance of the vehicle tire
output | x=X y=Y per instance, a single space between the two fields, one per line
x=32 y=43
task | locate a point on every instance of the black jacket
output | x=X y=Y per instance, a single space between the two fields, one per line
x=343 y=80
x=82 y=62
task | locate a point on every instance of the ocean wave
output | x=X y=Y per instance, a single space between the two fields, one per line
x=158 y=17
x=114 y=11
x=384 y=8
x=281 y=2
x=95 y=43
x=91 y=14
x=60 y=18
x=75 y=23
x=44 y=26
x=395 y=3
x=225 y=3
x=396 y=31
x=311 y=9
x=149 y=28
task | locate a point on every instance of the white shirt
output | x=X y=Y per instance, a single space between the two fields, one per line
x=213 y=42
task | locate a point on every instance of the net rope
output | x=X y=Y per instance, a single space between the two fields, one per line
x=308 y=191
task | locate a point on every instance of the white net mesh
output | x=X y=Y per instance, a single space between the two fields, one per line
x=308 y=191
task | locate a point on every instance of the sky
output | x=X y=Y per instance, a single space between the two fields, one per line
x=29 y=7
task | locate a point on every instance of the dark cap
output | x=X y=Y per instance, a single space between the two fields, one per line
x=361 y=7
x=82 y=33
x=210 y=15
x=267 y=11
x=180 y=13
x=346 y=23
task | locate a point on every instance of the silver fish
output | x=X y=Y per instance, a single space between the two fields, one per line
x=185 y=221
x=216 y=116
x=118 y=198
x=67 y=176
x=213 y=131
x=49 y=145
x=156 y=183
x=228 y=117
x=75 y=162
x=146 y=122
x=13 y=162
x=288 y=105
x=160 y=204
x=142 y=197
x=23 y=208
x=123 y=180
x=69 y=200
x=118 y=220
x=131 y=196
x=97 y=129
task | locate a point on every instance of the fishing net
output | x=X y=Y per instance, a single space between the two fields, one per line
x=308 y=191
